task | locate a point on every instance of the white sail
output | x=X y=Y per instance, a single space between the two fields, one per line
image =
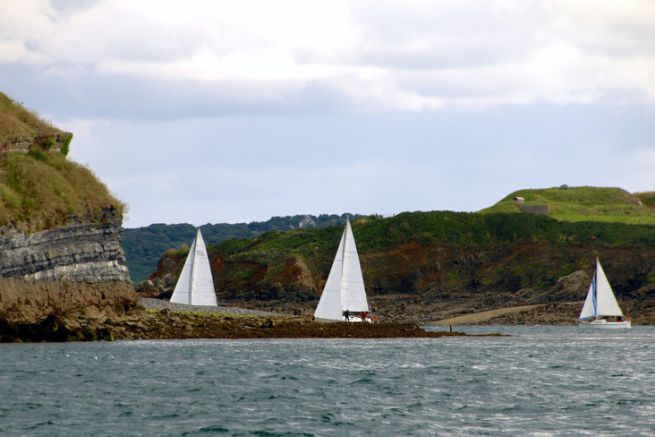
x=600 y=301
x=353 y=293
x=589 y=307
x=344 y=288
x=195 y=285
x=329 y=305
x=607 y=304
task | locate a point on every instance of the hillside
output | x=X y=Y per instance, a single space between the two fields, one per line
x=39 y=188
x=143 y=246
x=577 y=204
x=434 y=265
x=18 y=124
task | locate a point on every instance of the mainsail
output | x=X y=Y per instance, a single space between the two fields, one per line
x=195 y=285
x=344 y=288
x=600 y=301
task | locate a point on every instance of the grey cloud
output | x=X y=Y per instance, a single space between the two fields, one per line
x=92 y=95
x=247 y=167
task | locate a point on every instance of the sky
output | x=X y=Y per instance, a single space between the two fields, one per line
x=209 y=111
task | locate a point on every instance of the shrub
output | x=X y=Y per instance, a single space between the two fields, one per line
x=65 y=147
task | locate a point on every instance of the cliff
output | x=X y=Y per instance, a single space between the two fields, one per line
x=80 y=252
x=60 y=228
x=22 y=130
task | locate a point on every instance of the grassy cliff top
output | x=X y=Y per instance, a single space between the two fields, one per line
x=577 y=204
x=18 y=122
x=39 y=188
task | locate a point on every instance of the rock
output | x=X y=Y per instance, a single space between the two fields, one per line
x=168 y=281
x=146 y=285
x=267 y=324
x=80 y=252
x=574 y=281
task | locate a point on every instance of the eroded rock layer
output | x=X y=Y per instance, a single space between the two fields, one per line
x=63 y=310
x=80 y=252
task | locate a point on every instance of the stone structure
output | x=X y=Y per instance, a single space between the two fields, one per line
x=50 y=143
x=80 y=252
x=535 y=209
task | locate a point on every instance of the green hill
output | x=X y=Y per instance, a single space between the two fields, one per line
x=39 y=188
x=428 y=265
x=143 y=246
x=575 y=204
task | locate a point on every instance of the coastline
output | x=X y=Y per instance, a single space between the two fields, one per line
x=153 y=319
x=185 y=322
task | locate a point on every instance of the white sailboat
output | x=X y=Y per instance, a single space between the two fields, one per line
x=195 y=285
x=344 y=289
x=601 y=304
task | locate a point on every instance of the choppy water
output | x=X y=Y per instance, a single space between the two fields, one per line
x=560 y=381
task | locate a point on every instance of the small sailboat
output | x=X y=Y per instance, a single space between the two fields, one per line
x=344 y=296
x=195 y=285
x=600 y=308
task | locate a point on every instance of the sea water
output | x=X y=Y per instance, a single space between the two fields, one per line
x=538 y=381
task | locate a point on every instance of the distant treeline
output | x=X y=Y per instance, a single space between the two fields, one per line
x=144 y=246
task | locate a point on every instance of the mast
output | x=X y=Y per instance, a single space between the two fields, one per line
x=193 y=267
x=343 y=262
x=595 y=295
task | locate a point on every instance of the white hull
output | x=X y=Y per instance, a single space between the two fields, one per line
x=358 y=319
x=604 y=324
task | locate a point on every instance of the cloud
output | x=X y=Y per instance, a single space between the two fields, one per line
x=253 y=56
x=214 y=110
x=242 y=168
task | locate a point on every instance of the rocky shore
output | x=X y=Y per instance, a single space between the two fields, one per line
x=166 y=324
x=139 y=323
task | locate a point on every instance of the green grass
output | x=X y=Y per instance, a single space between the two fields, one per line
x=647 y=198
x=577 y=204
x=16 y=121
x=42 y=191
x=39 y=189
x=433 y=228
x=492 y=235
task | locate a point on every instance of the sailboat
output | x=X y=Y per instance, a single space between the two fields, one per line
x=344 y=296
x=195 y=285
x=600 y=308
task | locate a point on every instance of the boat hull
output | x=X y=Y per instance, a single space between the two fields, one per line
x=604 y=324
x=357 y=319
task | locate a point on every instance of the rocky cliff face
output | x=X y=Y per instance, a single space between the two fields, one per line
x=80 y=252
x=62 y=270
